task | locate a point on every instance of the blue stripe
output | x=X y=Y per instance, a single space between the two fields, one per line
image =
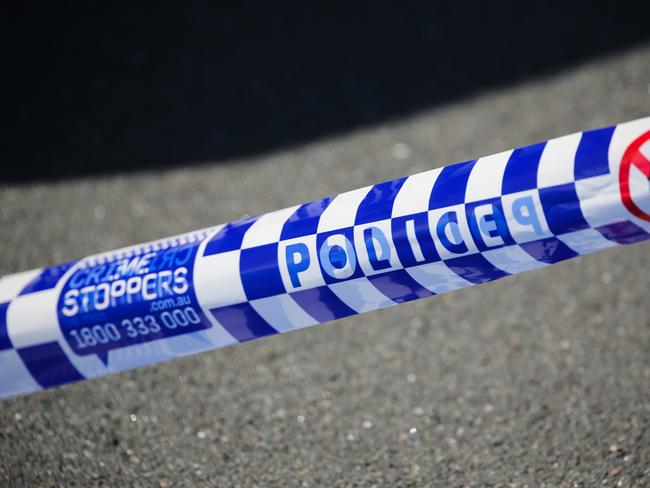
x=47 y=279
x=521 y=171
x=49 y=365
x=423 y=236
x=304 y=220
x=260 y=271
x=623 y=232
x=378 y=203
x=243 y=322
x=322 y=304
x=551 y=250
x=229 y=238
x=399 y=286
x=449 y=188
x=592 y=155
x=475 y=268
x=562 y=209
x=5 y=340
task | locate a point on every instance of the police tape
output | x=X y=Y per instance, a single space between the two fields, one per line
x=414 y=237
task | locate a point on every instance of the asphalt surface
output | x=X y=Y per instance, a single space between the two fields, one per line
x=542 y=379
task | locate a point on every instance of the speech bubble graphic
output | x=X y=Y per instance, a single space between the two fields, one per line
x=132 y=300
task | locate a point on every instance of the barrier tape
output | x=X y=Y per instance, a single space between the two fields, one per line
x=414 y=237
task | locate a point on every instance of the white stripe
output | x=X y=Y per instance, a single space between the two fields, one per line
x=207 y=277
x=32 y=319
x=282 y=313
x=486 y=179
x=361 y=295
x=586 y=241
x=267 y=228
x=12 y=285
x=217 y=281
x=512 y=259
x=600 y=200
x=556 y=166
x=414 y=195
x=437 y=277
x=342 y=211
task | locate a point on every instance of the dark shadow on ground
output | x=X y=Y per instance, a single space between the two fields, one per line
x=94 y=90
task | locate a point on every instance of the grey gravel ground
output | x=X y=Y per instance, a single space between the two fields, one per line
x=537 y=380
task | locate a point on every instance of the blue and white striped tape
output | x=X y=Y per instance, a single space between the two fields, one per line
x=363 y=250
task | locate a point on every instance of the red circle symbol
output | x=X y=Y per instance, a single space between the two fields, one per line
x=634 y=157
